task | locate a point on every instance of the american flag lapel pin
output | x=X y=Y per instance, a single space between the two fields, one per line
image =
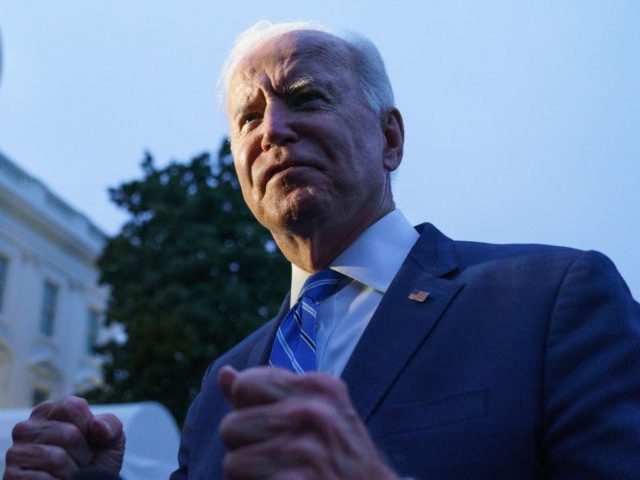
x=418 y=295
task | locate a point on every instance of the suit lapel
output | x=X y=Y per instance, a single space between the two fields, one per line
x=261 y=350
x=403 y=319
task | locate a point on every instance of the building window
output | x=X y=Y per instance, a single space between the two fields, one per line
x=48 y=313
x=39 y=395
x=4 y=263
x=93 y=327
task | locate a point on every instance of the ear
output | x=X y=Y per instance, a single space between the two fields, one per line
x=393 y=129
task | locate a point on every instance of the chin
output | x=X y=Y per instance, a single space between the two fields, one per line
x=299 y=212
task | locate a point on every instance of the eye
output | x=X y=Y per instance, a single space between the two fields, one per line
x=308 y=98
x=247 y=119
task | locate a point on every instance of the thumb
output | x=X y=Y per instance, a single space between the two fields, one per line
x=107 y=441
x=226 y=378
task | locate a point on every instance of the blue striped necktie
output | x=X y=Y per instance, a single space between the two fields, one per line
x=294 y=347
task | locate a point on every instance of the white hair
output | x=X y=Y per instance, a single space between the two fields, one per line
x=366 y=60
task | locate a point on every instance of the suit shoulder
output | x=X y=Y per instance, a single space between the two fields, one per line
x=470 y=253
x=528 y=262
x=534 y=262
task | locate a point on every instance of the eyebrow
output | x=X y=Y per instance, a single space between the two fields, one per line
x=309 y=80
x=291 y=87
x=298 y=84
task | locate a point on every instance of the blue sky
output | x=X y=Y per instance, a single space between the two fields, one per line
x=522 y=118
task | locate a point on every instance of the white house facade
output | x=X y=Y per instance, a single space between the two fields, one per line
x=50 y=302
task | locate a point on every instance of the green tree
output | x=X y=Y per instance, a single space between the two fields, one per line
x=191 y=273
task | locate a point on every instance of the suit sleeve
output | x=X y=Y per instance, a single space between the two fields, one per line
x=591 y=390
x=182 y=472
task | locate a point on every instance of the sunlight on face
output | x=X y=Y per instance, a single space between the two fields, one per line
x=307 y=147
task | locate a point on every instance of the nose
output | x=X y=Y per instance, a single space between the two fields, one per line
x=277 y=126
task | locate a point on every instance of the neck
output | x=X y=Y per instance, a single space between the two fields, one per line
x=315 y=249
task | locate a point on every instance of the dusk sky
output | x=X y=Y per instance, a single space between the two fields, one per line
x=522 y=118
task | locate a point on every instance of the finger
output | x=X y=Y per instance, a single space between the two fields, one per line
x=295 y=416
x=74 y=410
x=105 y=430
x=253 y=424
x=51 y=432
x=226 y=377
x=267 y=385
x=322 y=384
x=260 y=385
x=108 y=441
x=284 y=457
x=42 y=409
x=252 y=461
x=51 y=459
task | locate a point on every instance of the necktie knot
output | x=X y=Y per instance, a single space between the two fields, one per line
x=321 y=285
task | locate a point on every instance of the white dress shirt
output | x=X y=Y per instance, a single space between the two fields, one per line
x=371 y=262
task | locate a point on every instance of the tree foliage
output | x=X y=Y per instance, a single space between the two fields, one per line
x=191 y=273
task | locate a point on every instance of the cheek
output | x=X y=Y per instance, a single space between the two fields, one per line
x=245 y=184
x=243 y=172
x=241 y=164
x=245 y=153
x=237 y=164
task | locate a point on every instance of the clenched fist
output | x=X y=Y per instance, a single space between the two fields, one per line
x=62 y=436
x=288 y=426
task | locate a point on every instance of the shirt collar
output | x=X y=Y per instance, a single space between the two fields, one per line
x=374 y=258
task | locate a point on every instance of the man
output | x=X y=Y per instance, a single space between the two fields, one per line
x=438 y=359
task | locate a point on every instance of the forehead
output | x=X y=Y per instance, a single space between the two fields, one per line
x=289 y=56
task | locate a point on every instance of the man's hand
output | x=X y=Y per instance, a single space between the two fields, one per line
x=61 y=437
x=289 y=426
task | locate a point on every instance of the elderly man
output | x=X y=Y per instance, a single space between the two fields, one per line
x=437 y=359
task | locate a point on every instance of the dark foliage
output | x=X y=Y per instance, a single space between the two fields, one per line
x=191 y=273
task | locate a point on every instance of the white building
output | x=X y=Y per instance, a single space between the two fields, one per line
x=50 y=303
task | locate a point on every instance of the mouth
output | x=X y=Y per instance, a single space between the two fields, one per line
x=282 y=168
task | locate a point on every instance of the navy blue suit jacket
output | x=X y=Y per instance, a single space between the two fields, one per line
x=522 y=363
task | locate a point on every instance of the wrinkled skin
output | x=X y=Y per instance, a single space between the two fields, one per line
x=312 y=158
x=62 y=436
x=287 y=426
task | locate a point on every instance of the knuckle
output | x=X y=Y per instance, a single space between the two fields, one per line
x=74 y=403
x=42 y=407
x=324 y=384
x=313 y=413
x=57 y=455
x=301 y=452
x=57 y=459
x=71 y=409
x=21 y=431
x=111 y=419
x=69 y=435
